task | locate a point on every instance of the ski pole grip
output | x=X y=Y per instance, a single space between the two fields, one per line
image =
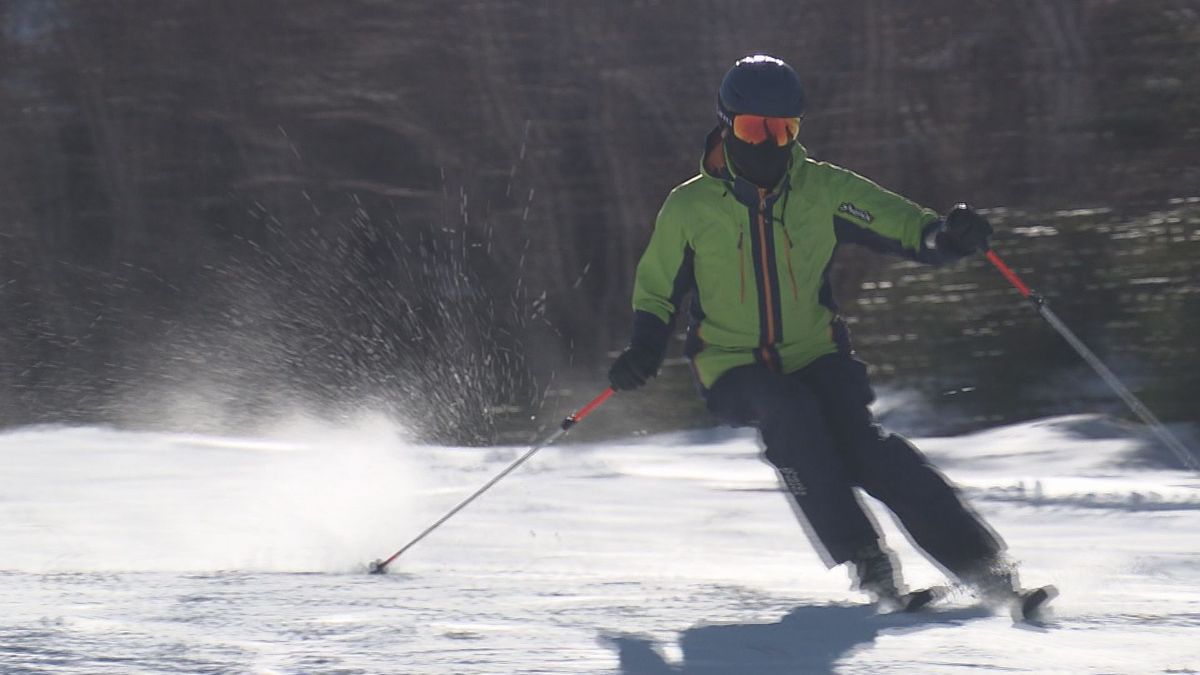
x=1009 y=274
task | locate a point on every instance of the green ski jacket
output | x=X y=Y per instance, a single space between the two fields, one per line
x=756 y=262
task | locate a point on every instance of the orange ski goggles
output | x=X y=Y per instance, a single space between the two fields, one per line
x=755 y=129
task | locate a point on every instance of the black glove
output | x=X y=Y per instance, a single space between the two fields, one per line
x=633 y=367
x=964 y=232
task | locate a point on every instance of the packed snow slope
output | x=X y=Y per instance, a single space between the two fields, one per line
x=159 y=553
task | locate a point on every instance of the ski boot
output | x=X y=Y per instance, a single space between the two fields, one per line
x=996 y=584
x=874 y=571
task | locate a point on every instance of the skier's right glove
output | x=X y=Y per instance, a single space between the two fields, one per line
x=964 y=231
x=633 y=367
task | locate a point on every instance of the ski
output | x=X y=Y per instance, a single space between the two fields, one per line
x=1030 y=604
x=1025 y=606
x=915 y=601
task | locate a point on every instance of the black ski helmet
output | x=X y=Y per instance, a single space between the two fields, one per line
x=760 y=85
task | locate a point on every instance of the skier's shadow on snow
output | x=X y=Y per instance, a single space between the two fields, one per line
x=810 y=639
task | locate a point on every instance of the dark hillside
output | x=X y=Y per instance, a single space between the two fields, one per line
x=215 y=210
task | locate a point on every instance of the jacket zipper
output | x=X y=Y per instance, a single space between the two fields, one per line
x=769 y=300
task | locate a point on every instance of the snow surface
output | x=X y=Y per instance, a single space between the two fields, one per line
x=166 y=553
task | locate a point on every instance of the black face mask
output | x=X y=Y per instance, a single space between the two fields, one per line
x=763 y=164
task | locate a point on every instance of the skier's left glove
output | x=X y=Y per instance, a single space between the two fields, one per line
x=964 y=231
x=634 y=366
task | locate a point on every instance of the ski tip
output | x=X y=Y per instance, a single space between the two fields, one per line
x=1032 y=604
x=922 y=598
x=913 y=601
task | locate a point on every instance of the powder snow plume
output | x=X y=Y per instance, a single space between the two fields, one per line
x=306 y=497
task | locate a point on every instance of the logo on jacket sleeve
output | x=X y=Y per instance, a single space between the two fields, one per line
x=861 y=214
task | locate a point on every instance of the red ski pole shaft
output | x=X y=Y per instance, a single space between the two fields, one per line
x=1008 y=273
x=380 y=566
x=1135 y=404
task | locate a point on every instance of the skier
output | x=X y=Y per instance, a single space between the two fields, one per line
x=751 y=239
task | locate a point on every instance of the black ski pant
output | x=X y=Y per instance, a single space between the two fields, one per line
x=823 y=439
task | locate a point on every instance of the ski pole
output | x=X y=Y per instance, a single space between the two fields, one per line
x=1039 y=303
x=380 y=566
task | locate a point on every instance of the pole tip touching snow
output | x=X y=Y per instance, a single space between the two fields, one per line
x=380 y=566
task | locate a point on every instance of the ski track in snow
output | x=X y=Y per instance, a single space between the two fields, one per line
x=167 y=553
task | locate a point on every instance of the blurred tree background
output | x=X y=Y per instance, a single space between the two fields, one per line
x=212 y=213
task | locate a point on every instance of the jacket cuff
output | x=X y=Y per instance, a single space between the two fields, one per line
x=650 y=332
x=933 y=251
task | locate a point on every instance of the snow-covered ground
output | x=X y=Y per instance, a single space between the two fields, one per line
x=127 y=552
